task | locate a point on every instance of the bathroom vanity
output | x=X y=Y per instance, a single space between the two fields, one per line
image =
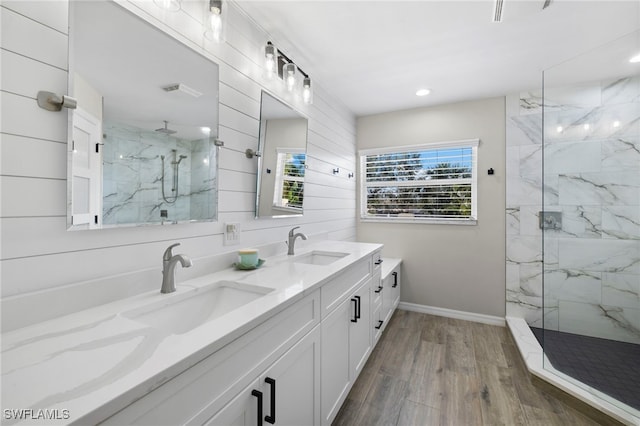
x=283 y=343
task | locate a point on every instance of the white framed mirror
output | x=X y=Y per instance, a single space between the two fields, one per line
x=282 y=163
x=141 y=142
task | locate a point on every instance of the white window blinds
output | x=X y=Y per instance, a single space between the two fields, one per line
x=431 y=182
x=289 y=186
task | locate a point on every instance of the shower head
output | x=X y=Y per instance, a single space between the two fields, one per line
x=166 y=130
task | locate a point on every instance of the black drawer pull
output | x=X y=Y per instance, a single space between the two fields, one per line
x=377 y=327
x=358 y=307
x=395 y=279
x=355 y=311
x=272 y=418
x=258 y=395
x=379 y=261
x=378 y=290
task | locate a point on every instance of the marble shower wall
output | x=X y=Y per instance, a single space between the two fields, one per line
x=132 y=177
x=592 y=177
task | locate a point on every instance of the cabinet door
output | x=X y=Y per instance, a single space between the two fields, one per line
x=335 y=360
x=291 y=386
x=360 y=330
x=391 y=293
x=246 y=409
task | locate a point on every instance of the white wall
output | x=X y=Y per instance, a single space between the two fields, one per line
x=448 y=266
x=38 y=252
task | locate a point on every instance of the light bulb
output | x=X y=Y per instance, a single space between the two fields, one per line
x=270 y=59
x=423 y=92
x=635 y=59
x=290 y=75
x=559 y=129
x=306 y=90
x=214 y=25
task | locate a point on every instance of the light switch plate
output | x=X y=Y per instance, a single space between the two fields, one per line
x=231 y=233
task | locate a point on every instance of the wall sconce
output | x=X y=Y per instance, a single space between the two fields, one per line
x=277 y=62
x=214 y=25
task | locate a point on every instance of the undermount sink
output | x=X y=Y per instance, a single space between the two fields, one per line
x=317 y=257
x=181 y=313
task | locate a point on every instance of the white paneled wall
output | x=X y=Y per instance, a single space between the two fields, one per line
x=37 y=251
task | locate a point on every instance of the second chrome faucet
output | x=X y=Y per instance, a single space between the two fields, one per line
x=292 y=240
x=169 y=262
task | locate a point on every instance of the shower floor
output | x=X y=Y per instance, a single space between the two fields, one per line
x=611 y=367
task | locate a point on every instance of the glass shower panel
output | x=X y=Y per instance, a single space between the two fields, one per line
x=591 y=221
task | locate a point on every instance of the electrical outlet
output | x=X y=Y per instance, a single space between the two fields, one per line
x=231 y=233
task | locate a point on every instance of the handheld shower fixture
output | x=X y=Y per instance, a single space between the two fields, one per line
x=175 y=168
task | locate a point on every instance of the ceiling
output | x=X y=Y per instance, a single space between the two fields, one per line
x=374 y=55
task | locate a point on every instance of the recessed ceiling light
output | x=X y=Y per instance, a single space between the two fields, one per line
x=423 y=92
x=635 y=59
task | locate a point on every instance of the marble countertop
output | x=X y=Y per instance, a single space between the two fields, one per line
x=88 y=365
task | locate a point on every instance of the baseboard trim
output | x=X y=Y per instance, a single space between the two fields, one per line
x=451 y=313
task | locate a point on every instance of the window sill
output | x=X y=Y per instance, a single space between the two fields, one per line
x=405 y=220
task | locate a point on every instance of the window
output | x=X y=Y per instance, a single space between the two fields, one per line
x=426 y=183
x=289 y=185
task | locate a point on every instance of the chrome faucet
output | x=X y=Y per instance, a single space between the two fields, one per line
x=292 y=239
x=169 y=261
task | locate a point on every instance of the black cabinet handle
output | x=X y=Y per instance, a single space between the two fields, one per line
x=355 y=310
x=379 y=261
x=379 y=289
x=272 y=418
x=395 y=279
x=377 y=327
x=357 y=307
x=258 y=395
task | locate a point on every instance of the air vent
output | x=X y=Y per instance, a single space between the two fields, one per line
x=497 y=11
x=181 y=87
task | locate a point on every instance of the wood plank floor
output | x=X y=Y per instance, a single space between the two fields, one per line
x=429 y=370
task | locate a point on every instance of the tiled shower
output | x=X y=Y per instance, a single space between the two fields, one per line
x=573 y=201
x=133 y=170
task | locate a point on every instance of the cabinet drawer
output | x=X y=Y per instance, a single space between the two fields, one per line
x=203 y=389
x=340 y=287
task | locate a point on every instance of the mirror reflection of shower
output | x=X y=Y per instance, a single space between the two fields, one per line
x=175 y=167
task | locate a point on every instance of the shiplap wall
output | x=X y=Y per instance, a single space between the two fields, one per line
x=38 y=252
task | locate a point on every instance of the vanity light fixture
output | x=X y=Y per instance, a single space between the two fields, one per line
x=307 y=91
x=169 y=5
x=289 y=75
x=635 y=59
x=214 y=25
x=277 y=63
x=270 y=59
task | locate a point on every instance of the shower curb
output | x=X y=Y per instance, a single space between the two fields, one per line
x=559 y=385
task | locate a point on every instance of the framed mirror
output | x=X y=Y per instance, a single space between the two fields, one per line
x=141 y=148
x=282 y=161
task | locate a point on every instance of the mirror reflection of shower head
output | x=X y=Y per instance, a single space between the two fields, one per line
x=166 y=130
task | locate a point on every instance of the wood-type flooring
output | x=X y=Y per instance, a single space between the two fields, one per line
x=430 y=370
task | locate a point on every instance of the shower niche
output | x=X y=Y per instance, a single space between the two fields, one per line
x=142 y=141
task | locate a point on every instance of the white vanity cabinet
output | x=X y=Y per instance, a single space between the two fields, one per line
x=386 y=296
x=346 y=339
x=297 y=366
x=287 y=393
x=201 y=391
